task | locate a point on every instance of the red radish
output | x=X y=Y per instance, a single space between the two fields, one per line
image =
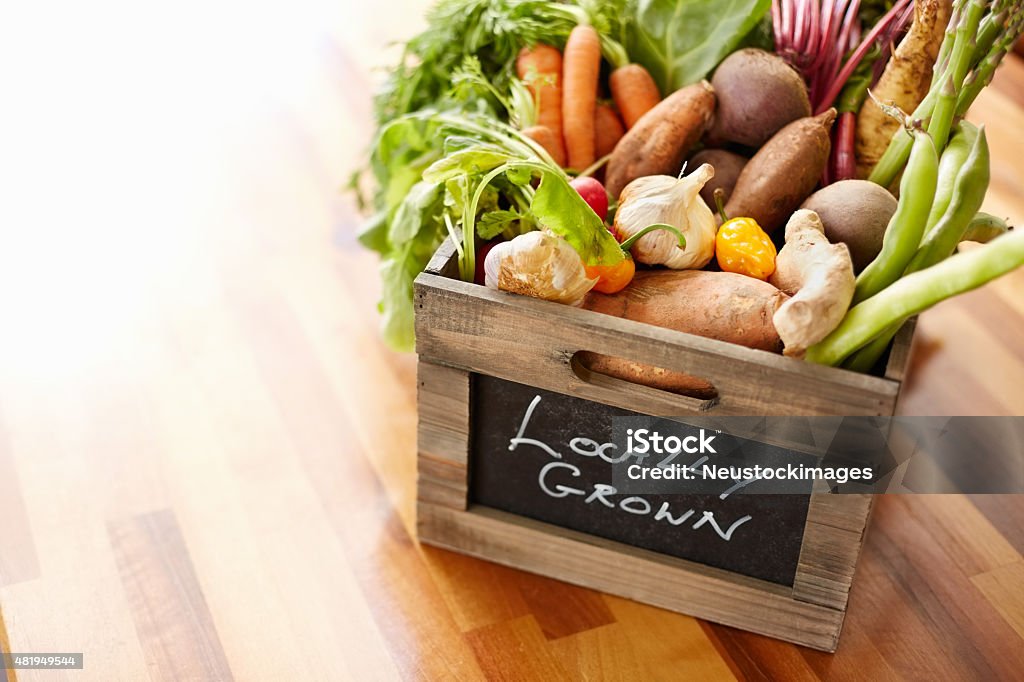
x=593 y=192
x=481 y=256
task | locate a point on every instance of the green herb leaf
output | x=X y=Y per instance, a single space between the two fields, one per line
x=470 y=161
x=682 y=41
x=560 y=208
x=520 y=177
x=494 y=223
x=421 y=205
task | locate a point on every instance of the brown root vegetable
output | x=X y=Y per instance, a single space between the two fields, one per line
x=784 y=173
x=855 y=213
x=905 y=82
x=728 y=167
x=819 y=277
x=661 y=139
x=716 y=305
x=758 y=94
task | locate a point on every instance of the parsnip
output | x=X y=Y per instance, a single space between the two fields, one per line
x=905 y=82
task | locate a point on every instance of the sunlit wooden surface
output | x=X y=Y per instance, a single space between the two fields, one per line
x=207 y=456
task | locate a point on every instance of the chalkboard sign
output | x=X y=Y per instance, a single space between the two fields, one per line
x=755 y=535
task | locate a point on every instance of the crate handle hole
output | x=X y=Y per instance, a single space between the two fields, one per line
x=613 y=372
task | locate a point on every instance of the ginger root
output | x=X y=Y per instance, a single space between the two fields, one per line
x=819 y=277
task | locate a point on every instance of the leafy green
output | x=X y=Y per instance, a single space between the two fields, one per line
x=494 y=223
x=561 y=209
x=450 y=100
x=682 y=41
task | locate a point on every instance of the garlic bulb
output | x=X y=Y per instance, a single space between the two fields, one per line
x=672 y=201
x=541 y=265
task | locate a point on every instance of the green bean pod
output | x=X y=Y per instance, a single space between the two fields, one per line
x=917 y=292
x=968 y=194
x=964 y=196
x=952 y=160
x=906 y=228
x=984 y=228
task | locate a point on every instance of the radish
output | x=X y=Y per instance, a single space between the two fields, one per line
x=593 y=192
x=481 y=256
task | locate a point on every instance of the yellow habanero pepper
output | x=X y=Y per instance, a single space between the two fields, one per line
x=741 y=246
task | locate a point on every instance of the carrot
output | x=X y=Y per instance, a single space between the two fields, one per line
x=580 y=70
x=548 y=139
x=541 y=69
x=608 y=130
x=634 y=91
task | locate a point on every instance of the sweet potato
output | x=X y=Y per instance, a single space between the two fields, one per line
x=662 y=138
x=717 y=305
x=776 y=181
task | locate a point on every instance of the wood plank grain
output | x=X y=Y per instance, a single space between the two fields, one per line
x=5 y=646
x=477 y=593
x=1006 y=514
x=18 y=558
x=561 y=609
x=898 y=626
x=515 y=650
x=386 y=563
x=666 y=645
x=171 y=616
x=759 y=658
x=966 y=624
x=957 y=526
x=604 y=653
x=1002 y=587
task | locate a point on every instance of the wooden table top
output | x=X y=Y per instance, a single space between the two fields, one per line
x=207 y=455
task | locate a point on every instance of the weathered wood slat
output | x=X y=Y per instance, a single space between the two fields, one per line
x=531 y=341
x=443 y=405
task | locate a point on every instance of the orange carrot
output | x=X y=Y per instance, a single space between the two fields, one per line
x=541 y=69
x=608 y=130
x=634 y=91
x=580 y=71
x=548 y=139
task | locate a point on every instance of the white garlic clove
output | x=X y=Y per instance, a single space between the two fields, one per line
x=492 y=264
x=541 y=265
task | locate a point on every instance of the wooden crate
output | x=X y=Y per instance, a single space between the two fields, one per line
x=463 y=329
